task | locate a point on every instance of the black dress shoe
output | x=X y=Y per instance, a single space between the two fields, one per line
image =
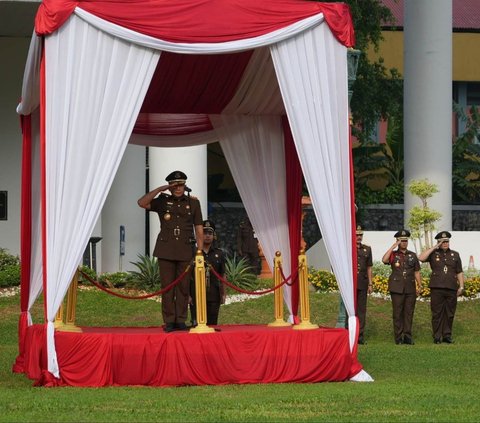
x=408 y=340
x=437 y=341
x=181 y=326
x=169 y=327
x=448 y=340
x=361 y=341
x=398 y=341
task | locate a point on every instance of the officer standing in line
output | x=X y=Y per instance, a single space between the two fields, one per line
x=446 y=284
x=247 y=245
x=402 y=286
x=364 y=281
x=215 y=293
x=180 y=215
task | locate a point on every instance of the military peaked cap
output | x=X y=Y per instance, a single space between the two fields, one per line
x=359 y=230
x=176 y=176
x=208 y=226
x=444 y=235
x=402 y=235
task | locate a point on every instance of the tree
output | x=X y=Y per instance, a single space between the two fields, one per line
x=422 y=219
x=466 y=158
x=377 y=94
x=377 y=91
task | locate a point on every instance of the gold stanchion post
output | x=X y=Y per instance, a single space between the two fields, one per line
x=70 y=314
x=278 y=293
x=304 y=294
x=59 y=318
x=201 y=296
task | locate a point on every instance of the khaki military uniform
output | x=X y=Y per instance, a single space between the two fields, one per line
x=364 y=260
x=175 y=249
x=445 y=265
x=402 y=287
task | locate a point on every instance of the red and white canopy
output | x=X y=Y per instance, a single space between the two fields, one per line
x=104 y=73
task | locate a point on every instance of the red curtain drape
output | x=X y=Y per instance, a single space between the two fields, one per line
x=294 y=206
x=191 y=21
x=193 y=83
x=25 y=239
x=43 y=177
x=354 y=223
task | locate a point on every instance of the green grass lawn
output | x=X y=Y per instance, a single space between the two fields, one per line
x=424 y=382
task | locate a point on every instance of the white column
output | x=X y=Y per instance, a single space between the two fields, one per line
x=190 y=160
x=428 y=101
x=121 y=209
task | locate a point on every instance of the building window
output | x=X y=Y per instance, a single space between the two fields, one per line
x=473 y=93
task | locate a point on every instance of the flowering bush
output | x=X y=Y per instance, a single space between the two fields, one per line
x=324 y=281
x=9 y=269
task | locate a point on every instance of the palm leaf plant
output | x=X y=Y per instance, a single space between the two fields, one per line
x=239 y=273
x=148 y=275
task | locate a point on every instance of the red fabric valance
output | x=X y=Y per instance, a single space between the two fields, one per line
x=200 y=21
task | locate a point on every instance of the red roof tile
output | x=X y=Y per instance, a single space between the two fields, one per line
x=466 y=13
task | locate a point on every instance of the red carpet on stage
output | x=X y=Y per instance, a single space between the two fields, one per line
x=148 y=356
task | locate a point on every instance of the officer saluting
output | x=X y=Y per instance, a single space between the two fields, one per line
x=446 y=284
x=401 y=284
x=180 y=216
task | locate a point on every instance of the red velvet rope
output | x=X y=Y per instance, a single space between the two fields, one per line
x=244 y=291
x=294 y=278
x=139 y=297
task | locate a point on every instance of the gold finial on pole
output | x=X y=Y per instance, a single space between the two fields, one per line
x=201 y=295
x=70 y=314
x=304 y=294
x=278 y=293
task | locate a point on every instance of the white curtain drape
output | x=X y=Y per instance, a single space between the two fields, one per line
x=312 y=73
x=95 y=86
x=199 y=48
x=31 y=79
x=36 y=265
x=255 y=153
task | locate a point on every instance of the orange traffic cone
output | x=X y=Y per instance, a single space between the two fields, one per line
x=471 y=264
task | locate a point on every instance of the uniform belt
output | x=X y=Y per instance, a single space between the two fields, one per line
x=176 y=232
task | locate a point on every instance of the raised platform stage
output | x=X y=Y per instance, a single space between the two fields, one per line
x=235 y=354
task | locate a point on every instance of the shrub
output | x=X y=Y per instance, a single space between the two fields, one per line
x=9 y=269
x=239 y=273
x=324 y=281
x=114 y=280
x=148 y=275
x=89 y=272
x=7 y=259
x=10 y=276
x=472 y=286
